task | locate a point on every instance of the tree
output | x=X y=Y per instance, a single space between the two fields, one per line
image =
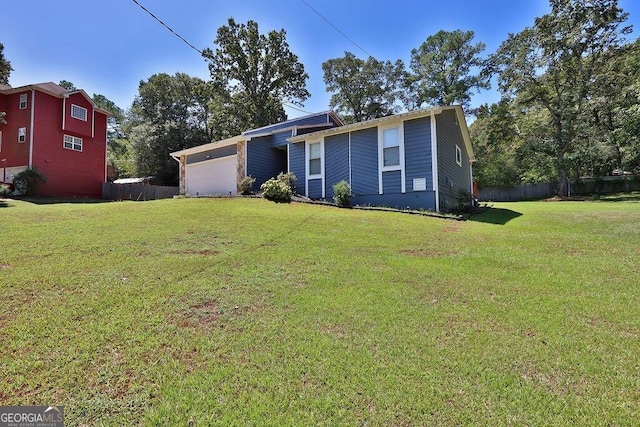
x=553 y=65
x=443 y=68
x=170 y=113
x=363 y=90
x=255 y=74
x=5 y=67
x=67 y=85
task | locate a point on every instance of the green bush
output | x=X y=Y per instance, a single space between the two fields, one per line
x=290 y=179
x=246 y=184
x=342 y=194
x=465 y=200
x=26 y=182
x=5 y=190
x=277 y=191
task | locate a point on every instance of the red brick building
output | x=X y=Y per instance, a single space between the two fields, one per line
x=62 y=133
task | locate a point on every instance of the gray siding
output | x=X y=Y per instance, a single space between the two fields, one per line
x=336 y=161
x=297 y=166
x=315 y=188
x=364 y=161
x=212 y=154
x=451 y=177
x=417 y=151
x=264 y=161
x=391 y=182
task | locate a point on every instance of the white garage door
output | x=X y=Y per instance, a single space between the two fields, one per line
x=211 y=177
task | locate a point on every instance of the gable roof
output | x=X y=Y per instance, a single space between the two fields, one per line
x=52 y=89
x=402 y=116
x=298 y=122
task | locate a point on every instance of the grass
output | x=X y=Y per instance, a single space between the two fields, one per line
x=246 y=312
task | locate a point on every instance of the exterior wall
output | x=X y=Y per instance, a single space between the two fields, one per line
x=417 y=150
x=364 y=162
x=16 y=153
x=315 y=188
x=451 y=177
x=265 y=161
x=75 y=126
x=216 y=153
x=336 y=160
x=302 y=121
x=297 y=165
x=280 y=139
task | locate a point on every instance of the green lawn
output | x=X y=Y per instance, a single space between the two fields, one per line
x=246 y=312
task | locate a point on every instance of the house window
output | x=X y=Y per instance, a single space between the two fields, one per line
x=458 y=156
x=78 y=112
x=22 y=134
x=23 y=101
x=315 y=159
x=391 y=147
x=72 y=143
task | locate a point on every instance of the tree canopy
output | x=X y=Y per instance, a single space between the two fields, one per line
x=363 y=90
x=5 y=67
x=254 y=74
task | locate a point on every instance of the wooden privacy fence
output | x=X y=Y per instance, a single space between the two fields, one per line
x=520 y=192
x=111 y=191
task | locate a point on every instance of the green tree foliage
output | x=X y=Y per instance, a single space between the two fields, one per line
x=67 y=85
x=447 y=69
x=554 y=64
x=254 y=74
x=363 y=90
x=170 y=113
x=5 y=67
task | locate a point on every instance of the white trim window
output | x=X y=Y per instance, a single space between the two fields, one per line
x=391 y=153
x=315 y=159
x=22 y=135
x=23 y=101
x=458 y=156
x=72 y=143
x=78 y=112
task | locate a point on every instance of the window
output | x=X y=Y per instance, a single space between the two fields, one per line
x=78 y=112
x=22 y=134
x=458 y=156
x=391 y=147
x=23 y=101
x=315 y=155
x=72 y=143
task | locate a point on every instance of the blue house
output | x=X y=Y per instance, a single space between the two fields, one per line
x=217 y=168
x=419 y=159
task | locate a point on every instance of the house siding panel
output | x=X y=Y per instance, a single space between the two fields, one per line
x=417 y=149
x=302 y=121
x=75 y=126
x=297 y=165
x=364 y=161
x=391 y=182
x=212 y=154
x=264 y=161
x=336 y=152
x=315 y=188
x=15 y=153
x=280 y=139
x=451 y=177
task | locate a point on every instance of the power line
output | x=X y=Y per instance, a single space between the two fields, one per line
x=195 y=48
x=336 y=28
x=168 y=27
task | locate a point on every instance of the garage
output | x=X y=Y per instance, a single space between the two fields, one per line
x=212 y=177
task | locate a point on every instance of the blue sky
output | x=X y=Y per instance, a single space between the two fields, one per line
x=108 y=47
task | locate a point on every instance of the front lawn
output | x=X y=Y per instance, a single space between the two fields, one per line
x=246 y=312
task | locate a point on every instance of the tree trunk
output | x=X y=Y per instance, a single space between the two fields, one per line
x=563 y=182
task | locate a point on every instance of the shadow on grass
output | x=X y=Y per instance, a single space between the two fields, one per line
x=5 y=204
x=621 y=197
x=496 y=216
x=58 y=200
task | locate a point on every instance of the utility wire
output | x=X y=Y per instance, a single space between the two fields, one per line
x=198 y=50
x=336 y=28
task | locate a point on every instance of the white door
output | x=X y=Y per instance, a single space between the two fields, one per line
x=212 y=177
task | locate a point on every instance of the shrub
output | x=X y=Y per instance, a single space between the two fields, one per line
x=277 y=191
x=465 y=200
x=246 y=184
x=5 y=190
x=26 y=182
x=342 y=194
x=290 y=179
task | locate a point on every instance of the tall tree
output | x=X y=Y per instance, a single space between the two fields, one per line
x=256 y=72
x=363 y=90
x=553 y=64
x=5 y=67
x=447 y=69
x=169 y=114
x=67 y=85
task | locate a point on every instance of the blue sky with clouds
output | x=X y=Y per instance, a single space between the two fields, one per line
x=108 y=47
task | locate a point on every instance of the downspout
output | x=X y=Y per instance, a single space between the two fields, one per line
x=434 y=160
x=31 y=130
